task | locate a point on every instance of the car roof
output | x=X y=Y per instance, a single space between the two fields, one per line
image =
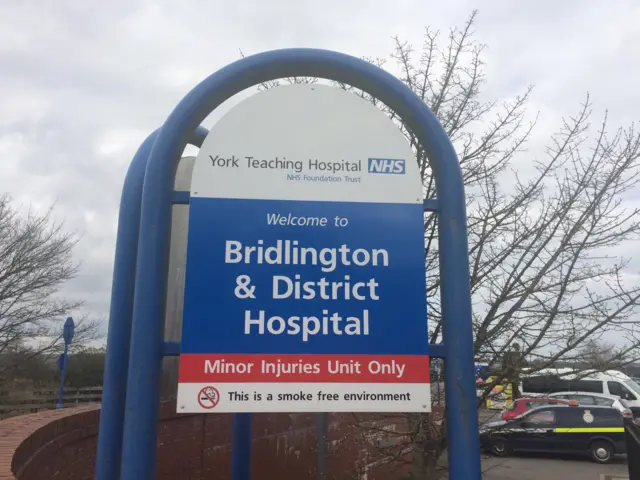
x=573 y=374
x=574 y=407
x=591 y=394
x=542 y=399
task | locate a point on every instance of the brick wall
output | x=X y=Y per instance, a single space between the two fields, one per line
x=61 y=445
x=32 y=442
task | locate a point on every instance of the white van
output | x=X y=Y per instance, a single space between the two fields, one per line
x=610 y=382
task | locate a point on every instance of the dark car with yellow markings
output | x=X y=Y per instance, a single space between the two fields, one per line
x=596 y=431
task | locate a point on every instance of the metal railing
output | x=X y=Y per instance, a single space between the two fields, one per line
x=15 y=402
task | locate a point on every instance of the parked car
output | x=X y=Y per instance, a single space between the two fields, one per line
x=600 y=399
x=523 y=405
x=610 y=382
x=597 y=431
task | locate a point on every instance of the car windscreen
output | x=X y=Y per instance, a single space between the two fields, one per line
x=633 y=386
x=541 y=417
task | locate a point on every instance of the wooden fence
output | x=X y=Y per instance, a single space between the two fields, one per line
x=20 y=401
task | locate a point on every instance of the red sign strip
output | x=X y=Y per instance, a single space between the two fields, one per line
x=258 y=368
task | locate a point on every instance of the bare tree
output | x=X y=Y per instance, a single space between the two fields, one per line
x=596 y=355
x=545 y=231
x=35 y=261
x=546 y=272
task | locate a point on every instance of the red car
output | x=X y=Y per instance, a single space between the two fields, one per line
x=522 y=405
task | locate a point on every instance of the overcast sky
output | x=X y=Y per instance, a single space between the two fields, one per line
x=83 y=82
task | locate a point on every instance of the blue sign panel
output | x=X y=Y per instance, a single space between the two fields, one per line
x=264 y=284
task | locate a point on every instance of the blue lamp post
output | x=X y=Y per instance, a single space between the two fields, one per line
x=63 y=360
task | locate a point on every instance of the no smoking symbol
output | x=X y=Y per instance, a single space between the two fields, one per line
x=208 y=397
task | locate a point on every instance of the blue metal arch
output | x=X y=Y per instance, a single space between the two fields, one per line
x=140 y=430
x=121 y=309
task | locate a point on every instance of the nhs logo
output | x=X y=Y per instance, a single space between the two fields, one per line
x=386 y=165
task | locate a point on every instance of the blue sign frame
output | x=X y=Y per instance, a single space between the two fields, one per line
x=121 y=310
x=137 y=309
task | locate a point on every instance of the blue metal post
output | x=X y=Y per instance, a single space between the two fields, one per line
x=457 y=328
x=322 y=445
x=121 y=308
x=241 y=447
x=63 y=373
x=67 y=335
x=140 y=431
x=119 y=330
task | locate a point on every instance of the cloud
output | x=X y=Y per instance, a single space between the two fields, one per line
x=83 y=83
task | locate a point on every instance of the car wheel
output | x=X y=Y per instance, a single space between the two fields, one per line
x=500 y=447
x=601 y=452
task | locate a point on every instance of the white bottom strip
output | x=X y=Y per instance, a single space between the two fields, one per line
x=303 y=397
